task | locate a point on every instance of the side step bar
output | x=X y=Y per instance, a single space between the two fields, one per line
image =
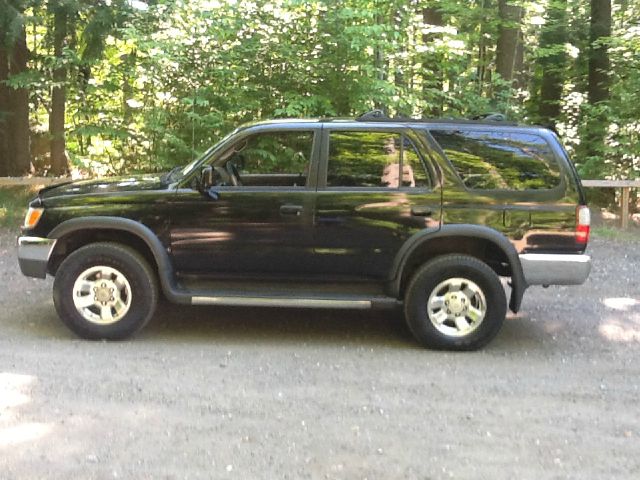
x=358 y=303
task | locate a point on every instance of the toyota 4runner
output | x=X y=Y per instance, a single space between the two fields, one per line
x=330 y=213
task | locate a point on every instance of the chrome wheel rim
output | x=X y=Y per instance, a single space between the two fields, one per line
x=456 y=307
x=102 y=295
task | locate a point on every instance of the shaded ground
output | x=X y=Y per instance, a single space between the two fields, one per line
x=256 y=393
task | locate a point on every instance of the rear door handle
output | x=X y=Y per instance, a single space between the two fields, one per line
x=291 y=209
x=421 y=211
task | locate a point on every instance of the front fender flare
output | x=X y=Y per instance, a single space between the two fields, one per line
x=160 y=254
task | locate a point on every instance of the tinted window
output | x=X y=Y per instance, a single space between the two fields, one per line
x=500 y=160
x=415 y=172
x=274 y=159
x=373 y=159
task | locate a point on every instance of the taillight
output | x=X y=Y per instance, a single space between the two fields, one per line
x=583 y=223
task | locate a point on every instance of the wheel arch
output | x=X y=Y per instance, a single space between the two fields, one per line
x=74 y=233
x=482 y=242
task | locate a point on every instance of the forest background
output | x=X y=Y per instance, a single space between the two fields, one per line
x=122 y=86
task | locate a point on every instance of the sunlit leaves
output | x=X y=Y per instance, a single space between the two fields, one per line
x=151 y=86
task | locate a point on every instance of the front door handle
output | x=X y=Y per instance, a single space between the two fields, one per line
x=291 y=209
x=421 y=211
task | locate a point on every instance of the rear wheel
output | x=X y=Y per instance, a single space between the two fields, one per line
x=455 y=302
x=105 y=291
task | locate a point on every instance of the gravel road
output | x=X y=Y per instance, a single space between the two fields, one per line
x=295 y=394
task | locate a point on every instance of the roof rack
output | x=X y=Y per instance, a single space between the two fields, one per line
x=372 y=115
x=491 y=117
x=379 y=116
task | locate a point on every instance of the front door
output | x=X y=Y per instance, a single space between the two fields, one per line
x=257 y=220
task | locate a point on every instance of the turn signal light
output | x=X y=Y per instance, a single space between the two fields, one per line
x=583 y=224
x=33 y=217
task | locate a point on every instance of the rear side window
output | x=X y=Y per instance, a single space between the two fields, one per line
x=489 y=160
x=374 y=160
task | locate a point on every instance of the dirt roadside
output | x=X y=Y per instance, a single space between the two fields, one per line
x=294 y=394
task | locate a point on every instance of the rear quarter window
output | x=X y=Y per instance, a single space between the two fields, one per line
x=489 y=160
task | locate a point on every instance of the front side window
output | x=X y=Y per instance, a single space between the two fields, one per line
x=489 y=160
x=374 y=160
x=273 y=159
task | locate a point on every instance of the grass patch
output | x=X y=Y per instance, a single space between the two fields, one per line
x=611 y=233
x=13 y=205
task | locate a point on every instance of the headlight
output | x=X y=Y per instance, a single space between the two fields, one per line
x=33 y=217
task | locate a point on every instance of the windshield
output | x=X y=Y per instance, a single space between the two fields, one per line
x=180 y=172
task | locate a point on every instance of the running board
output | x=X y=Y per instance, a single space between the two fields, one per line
x=292 y=302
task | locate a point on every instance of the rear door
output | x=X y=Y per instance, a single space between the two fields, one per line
x=376 y=188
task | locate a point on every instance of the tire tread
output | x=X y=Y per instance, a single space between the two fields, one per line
x=110 y=251
x=496 y=303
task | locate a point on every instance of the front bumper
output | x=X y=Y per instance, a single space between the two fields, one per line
x=555 y=269
x=33 y=255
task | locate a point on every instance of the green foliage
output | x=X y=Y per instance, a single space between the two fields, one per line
x=149 y=88
x=13 y=205
x=11 y=23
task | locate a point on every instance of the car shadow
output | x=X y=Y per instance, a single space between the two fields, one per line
x=519 y=333
x=278 y=325
x=242 y=325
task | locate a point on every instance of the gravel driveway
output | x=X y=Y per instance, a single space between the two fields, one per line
x=254 y=393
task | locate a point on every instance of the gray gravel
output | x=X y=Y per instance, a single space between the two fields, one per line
x=250 y=393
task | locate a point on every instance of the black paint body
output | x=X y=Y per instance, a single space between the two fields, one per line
x=315 y=232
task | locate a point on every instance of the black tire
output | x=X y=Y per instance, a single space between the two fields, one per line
x=430 y=276
x=135 y=269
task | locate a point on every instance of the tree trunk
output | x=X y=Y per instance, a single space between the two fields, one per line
x=56 y=116
x=84 y=78
x=4 y=112
x=379 y=65
x=128 y=76
x=508 y=38
x=20 y=161
x=595 y=130
x=554 y=36
x=519 y=71
x=483 y=72
x=600 y=28
x=480 y=67
x=432 y=78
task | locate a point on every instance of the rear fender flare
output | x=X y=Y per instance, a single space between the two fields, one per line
x=417 y=240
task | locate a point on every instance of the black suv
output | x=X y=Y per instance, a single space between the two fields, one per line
x=330 y=213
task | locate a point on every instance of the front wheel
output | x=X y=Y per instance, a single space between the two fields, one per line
x=455 y=302
x=105 y=291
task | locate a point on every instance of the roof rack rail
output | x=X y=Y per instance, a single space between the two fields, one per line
x=491 y=117
x=380 y=116
x=372 y=115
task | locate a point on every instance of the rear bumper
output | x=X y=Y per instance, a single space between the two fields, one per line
x=555 y=269
x=33 y=255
